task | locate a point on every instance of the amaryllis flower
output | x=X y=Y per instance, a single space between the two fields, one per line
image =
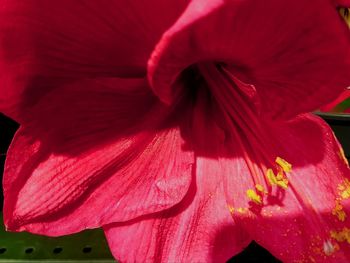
x=180 y=127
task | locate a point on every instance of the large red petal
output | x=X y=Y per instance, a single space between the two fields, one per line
x=199 y=229
x=300 y=221
x=296 y=53
x=314 y=203
x=44 y=43
x=93 y=153
x=342 y=3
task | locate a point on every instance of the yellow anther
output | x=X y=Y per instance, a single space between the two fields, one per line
x=260 y=188
x=286 y=166
x=279 y=175
x=252 y=195
x=271 y=177
x=278 y=180
x=283 y=183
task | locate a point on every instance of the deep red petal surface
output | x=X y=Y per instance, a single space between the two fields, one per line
x=199 y=229
x=297 y=54
x=342 y=3
x=44 y=43
x=109 y=155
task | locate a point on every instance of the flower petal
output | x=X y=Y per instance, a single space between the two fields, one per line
x=199 y=229
x=93 y=153
x=296 y=54
x=342 y=3
x=43 y=44
x=314 y=206
x=298 y=219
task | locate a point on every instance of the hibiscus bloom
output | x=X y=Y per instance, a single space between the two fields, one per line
x=180 y=127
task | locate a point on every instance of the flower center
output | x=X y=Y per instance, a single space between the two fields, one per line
x=236 y=111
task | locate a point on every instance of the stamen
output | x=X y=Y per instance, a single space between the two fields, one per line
x=286 y=167
x=260 y=188
x=252 y=195
x=271 y=177
x=278 y=180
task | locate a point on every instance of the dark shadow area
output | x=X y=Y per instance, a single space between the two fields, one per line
x=7 y=130
x=254 y=254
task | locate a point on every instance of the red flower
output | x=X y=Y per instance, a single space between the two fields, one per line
x=223 y=154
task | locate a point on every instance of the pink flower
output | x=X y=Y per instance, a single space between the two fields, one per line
x=177 y=126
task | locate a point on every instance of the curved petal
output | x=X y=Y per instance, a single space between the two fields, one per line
x=342 y=3
x=200 y=228
x=299 y=216
x=316 y=205
x=94 y=154
x=43 y=44
x=297 y=54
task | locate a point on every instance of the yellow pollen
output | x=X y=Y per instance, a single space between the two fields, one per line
x=344 y=189
x=283 y=183
x=341 y=236
x=346 y=193
x=339 y=212
x=252 y=195
x=278 y=180
x=271 y=177
x=231 y=209
x=286 y=167
x=241 y=210
x=260 y=188
x=279 y=175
